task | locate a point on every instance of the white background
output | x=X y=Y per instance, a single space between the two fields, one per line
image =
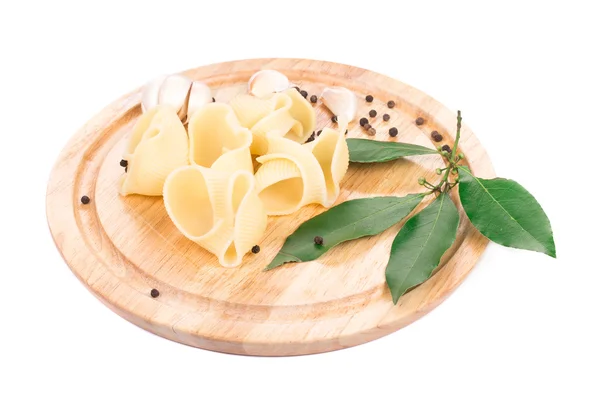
x=525 y=75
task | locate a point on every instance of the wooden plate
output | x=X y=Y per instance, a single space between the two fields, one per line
x=122 y=247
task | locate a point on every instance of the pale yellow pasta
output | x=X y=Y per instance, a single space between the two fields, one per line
x=289 y=178
x=218 y=140
x=157 y=146
x=285 y=114
x=218 y=210
x=331 y=151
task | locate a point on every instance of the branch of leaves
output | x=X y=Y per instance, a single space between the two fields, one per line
x=501 y=209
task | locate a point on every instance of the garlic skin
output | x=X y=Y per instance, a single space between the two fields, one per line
x=174 y=92
x=200 y=95
x=150 y=93
x=341 y=102
x=266 y=82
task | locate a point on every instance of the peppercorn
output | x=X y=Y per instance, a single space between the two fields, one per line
x=85 y=199
x=369 y=98
x=256 y=249
x=367 y=126
x=304 y=93
x=386 y=117
x=372 y=113
x=310 y=138
x=123 y=163
x=297 y=88
x=363 y=121
x=436 y=136
x=372 y=131
x=420 y=121
x=313 y=99
x=319 y=132
x=393 y=132
x=154 y=293
x=446 y=148
x=345 y=133
x=391 y=104
x=334 y=119
x=125 y=169
x=319 y=240
x=214 y=100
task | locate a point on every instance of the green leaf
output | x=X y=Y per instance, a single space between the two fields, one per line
x=349 y=220
x=420 y=244
x=370 y=151
x=505 y=212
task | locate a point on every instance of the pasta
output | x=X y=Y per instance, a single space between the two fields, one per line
x=285 y=114
x=331 y=151
x=218 y=140
x=218 y=210
x=157 y=146
x=294 y=175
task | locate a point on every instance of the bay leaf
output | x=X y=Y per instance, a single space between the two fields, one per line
x=372 y=151
x=346 y=221
x=505 y=212
x=420 y=244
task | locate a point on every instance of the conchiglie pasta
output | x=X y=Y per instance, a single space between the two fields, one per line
x=290 y=177
x=331 y=151
x=218 y=210
x=157 y=146
x=218 y=140
x=285 y=114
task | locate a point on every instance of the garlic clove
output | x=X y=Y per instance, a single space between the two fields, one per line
x=341 y=102
x=266 y=82
x=150 y=93
x=174 y=92
x=200 y=95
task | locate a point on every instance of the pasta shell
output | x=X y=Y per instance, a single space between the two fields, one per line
x=218 y=140
x=249 y=109
x=331 y=151
x=218 y=210
x=289 y=178
x=157 y=146
x=303 y=112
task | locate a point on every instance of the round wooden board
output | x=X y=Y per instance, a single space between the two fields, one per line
x=122 y=247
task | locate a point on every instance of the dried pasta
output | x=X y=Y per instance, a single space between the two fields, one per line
x=218 y=210
x=157 y=146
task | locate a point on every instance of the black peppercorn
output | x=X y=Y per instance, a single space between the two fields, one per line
x=319 y=132
x=345 y=133
x=310 y=138
x=154 y=293
x=372 y=113
x=319 y=240
x=123 y=163
x=419 y=121
x=256 y=249
x=367 y=126
x=369 y=98
x=125 y=169
x=372 y=131
x=363 y=121
x=85 y=199
x=214 y=100
x=386 y=117
x=304 y=93
x=393 y=132
x=436 y=136
x=297 y=88
x=334 y=119
x=313 y=99
x=391 y=104
x=446 y=148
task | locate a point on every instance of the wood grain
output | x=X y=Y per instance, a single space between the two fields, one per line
x=122 y=247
